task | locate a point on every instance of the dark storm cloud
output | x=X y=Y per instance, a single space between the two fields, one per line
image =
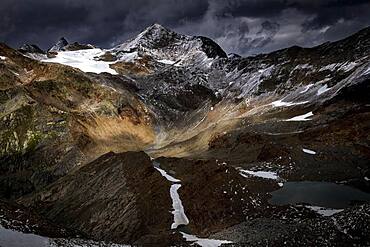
x=98 y=22
x=251 y=8
x=241 y=26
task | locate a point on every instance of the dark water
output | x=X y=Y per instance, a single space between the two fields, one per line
x=11 y=238
x=324 y=194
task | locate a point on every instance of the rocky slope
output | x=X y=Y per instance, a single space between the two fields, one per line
x=79 y=123
x=126 y=181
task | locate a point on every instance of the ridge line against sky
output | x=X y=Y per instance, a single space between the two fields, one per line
x=245 y=27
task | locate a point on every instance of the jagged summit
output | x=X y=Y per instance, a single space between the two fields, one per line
x=63 y=40
x=163 y=43
x=156 y=29
x=59 y=46
x=153 y=37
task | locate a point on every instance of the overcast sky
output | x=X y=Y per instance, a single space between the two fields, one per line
x=240 y=26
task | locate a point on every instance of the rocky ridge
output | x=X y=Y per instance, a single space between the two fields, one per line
x=209 y=119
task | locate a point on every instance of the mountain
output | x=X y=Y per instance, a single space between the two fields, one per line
x=165 y=139
x=63 y=45
x=30 y=48
x=59 y=46
x=167 y=43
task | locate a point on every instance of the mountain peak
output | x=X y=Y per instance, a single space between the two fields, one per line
x=153 y=37
x=172 y=45
x=156 y=26
x=59 y=46
x=63 y=40
x=158 y=33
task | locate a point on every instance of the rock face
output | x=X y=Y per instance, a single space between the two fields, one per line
x=59 y=46
x=120 y=197
x=218 y=123
x=51 y=115
x=64 y=45
x=30 y=48
x=319 y=232
x=162 y=42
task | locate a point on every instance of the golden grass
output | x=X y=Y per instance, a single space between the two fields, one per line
x=117 y=135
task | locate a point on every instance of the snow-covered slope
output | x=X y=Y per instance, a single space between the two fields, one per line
x=85 y=60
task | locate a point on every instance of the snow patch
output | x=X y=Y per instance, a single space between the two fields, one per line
x=166 y=61
x=323 y=81
x=327 y=212
x=204 y=242
x=308 y=151
x=279 y=103
x=304 y=117
x=306 y=88
x=179 y=215
x=261 y=174
x=367 y=71
x=253 y=79
x=128 y=57
x=178 y=209
x=167 y=176
x=323 y=89
x=85 y=60
x=348 y=66
x=2 y=58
